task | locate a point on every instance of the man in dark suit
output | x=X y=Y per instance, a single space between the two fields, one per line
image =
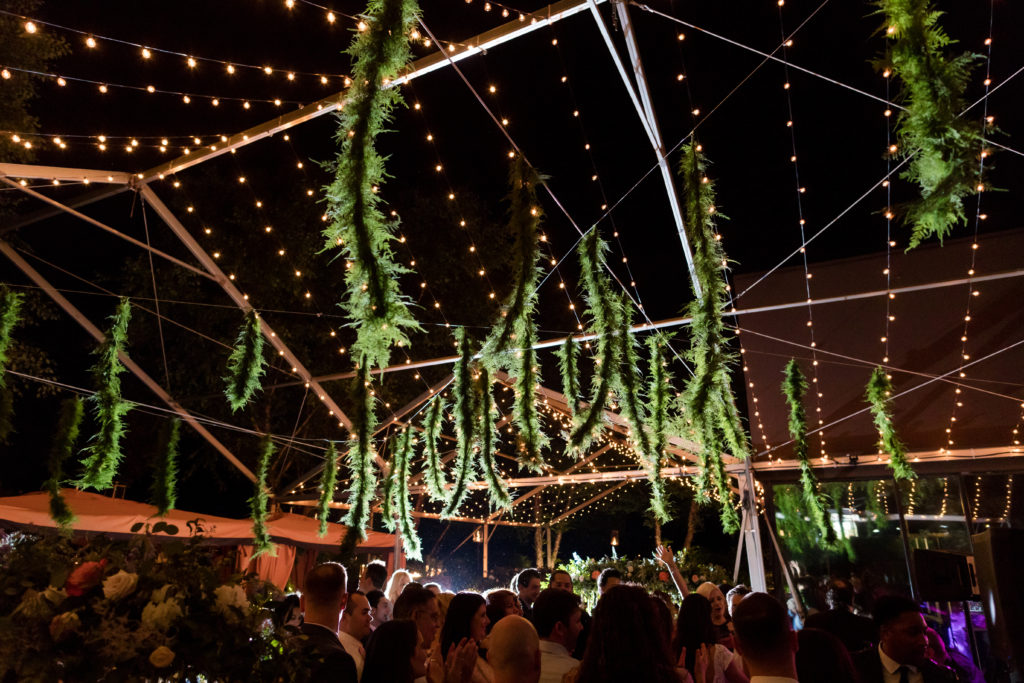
x=323 y=599
x=902 y=652
x=856 y=632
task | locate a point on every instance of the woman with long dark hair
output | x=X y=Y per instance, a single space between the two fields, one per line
x=395 y=653
x=694 y=631
x=467 y=618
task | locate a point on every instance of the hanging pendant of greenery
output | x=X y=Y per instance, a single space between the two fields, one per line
x=165 y=477
x=10 y=309
x=709 y=401
x=569 y=365
x=604 y=311
x=373 y=302
x=464 y=425
x=363 y=478
x=67 y=433
x=794 y=388
x=387 y=508
x=104 y=452
x=328 y=483
x=660 y=387
x=945 y=146
x=260 y=499
x=485 y=410
x=878 y=391
x=526 y=417
x=396 y=511
x=246 y=364
x=434 y=472
x=626 y=381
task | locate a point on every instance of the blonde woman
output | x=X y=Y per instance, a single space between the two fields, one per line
x=399 y=580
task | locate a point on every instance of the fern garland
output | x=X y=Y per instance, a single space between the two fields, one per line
x=398 y=496
x=387 y=509
x=878 y=391
x=363 y=481
x=67 y=434
x=436 y=488
x=794 y=388
x=373 y=302
x=328 y=483
x=104 y=452
x=625 y=383
x=526 y=417
x=946 y=147
x=708 y=398
x=165 y=477
x=246 y=364
x=260 y=499
x=10 y=315
x=464 y=425
x=496 y=488
x=568 y=364
x=659 y=388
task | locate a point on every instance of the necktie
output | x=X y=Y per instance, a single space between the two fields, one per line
x=904 y=674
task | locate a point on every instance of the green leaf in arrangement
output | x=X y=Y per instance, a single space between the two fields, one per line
x=328 y=483
x=358 y=227
x=400 y=495
x=260 y=500
x=658 y=395
x=878 y=391
x=568 y=363
x=485 y=410
x=103 y=455
x=246 y=364
x=465 y=433
x=63 y=445
x=165 y=475
x=526 y=417
x=433 y=469
x=361 y=453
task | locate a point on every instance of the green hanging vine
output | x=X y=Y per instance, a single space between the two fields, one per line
x=104 y=452
x=396 y=496
x=569 y=365
x=658 y=392
x=165 y=477
x=431 y=435
x=67 y=433
x=945 y=147
x=526 y=417
x=373 y=302
x=878 y=391
x=10 y=315
x=625 y=382
x=485 y=410
x=328 y=483
x=464 y=424
x=260 y=500
x=246 y=364
x=363 y=481
x=794 y=388
x=709 y=401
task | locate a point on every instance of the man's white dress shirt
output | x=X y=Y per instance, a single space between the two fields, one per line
x=890 y=669
x=555 y=662
x=354 y=648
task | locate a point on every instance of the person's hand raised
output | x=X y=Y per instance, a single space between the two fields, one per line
x=664 y=555
x=460 y=662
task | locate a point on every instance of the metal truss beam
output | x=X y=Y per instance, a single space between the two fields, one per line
x=64 y=175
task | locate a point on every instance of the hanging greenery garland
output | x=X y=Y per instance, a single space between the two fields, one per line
x=396 y=496
x=10 y=310
x=946 y=147
x=464 y=424
x=67 y=434
x=328 y=483
x=658 y=391
x=260 y=499
x=373 y=302
x=568 y=363
x=165 y=477
x=708 y=398
x=104 y=452
x=387 y=510
x=363 y=479
x=246 y=364
x=434 y=472
x=625 y=382
x=604 y=310
x=794 y=388
x=485 y=410
x=878 y=391
x=526 y=417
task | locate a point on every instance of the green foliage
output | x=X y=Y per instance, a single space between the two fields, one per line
x=464 y=424
x=434 y=473
x=63 y=445
x=373 y=302
x=878 y=391
x=246 y=364
x=104 y=452
x=710 y=405
x=10 y=307
x=568 y=363
x=363 y=479
x=658 y=392
x=625 y=383
x=165 y=477
x=945 y=147
x=396 y=496
x=387 y=509
x=260 y=499
x=328 y=482
x=532 y=440
x=794 y=388
x=485 y=410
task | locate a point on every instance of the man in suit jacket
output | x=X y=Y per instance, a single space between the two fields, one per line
x=902 y=652
x=322 y=601
x=856 y=632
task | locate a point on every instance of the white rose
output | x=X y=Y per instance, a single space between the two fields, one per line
x=161 y=657
x=160 y=594
x=119 y=585
x=227 y=597
x=160 y=616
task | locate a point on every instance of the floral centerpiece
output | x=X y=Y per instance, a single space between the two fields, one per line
x=645 y=571
x=133 y=611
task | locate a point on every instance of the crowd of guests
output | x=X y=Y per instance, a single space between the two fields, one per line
x=395 y=630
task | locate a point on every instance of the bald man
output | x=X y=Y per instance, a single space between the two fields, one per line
x=514 y=651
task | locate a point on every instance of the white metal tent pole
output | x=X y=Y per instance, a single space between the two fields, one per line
x=98 y=335
x=751 y=534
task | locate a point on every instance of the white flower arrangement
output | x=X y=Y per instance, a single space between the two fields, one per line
x=119 y=585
